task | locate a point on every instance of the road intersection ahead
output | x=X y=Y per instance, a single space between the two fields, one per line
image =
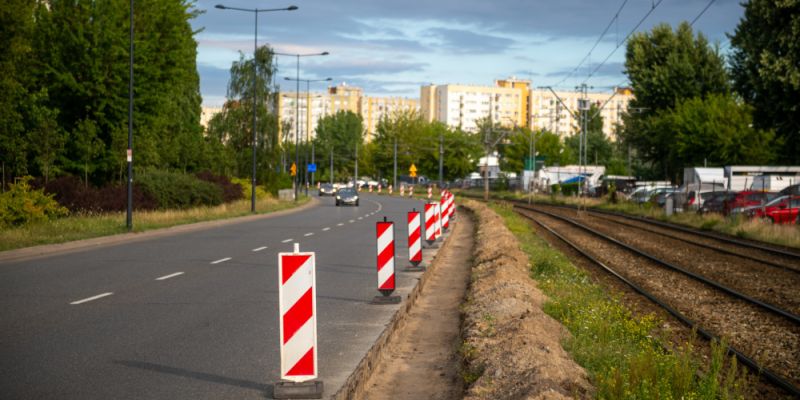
x=193 y=315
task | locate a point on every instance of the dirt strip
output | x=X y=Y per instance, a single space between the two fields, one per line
x=423 y=342
x=512 y=349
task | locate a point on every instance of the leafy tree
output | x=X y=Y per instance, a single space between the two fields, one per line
x=666 y=67
x=339 y=133
x=766 y=69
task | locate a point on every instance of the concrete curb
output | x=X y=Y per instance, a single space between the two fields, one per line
x=354 y=386
x=47 y=250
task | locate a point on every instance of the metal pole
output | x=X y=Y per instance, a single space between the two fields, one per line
x=355 y=177
x=394 y=180
x=308 y=124
x=331 y=164
x=441 y=159
x=129 y=155
x=255 y=105
x=297 y=128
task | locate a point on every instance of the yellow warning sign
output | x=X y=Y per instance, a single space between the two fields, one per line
x=412 y=171
x=294 y=169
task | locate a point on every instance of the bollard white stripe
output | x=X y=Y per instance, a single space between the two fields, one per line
x=414 y=248
x=413 y=225
x=169 y=276
x=88 y=299
x=385 y=240
x=386 y=272
x=296 y=286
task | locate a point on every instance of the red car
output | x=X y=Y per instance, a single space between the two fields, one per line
x=782 y=210
x=745 y=199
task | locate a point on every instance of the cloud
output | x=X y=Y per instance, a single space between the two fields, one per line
x=363 y=67
x=468 y=42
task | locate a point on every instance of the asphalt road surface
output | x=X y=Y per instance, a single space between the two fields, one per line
x=193 y=315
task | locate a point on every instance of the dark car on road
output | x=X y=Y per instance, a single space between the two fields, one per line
x=347 y=196
x=327 y=189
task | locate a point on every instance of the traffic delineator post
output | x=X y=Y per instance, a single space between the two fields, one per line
x=390 y=189
x=430 y=223
x=414 y=241
x=430 y=192
x=411 y=191
x=445 y=212
x=452 y=206
x=297 y=300
x=385 y=262
x=438 y=217
x=370 y=188
x=402 y=191
x=379 y=188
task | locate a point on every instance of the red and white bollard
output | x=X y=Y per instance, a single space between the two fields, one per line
x=438 y=217
x=297 y=299
x=390 y=189
x=379 y=188
x=414 y=241
x=386 y=275
x=430 y=192
x=370 y=188
x=430 y=223
x=402 y=191
x=452 y=207
x=411 y=191
x=445 y=212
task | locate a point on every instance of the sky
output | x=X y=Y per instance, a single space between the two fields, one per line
x=391 y=48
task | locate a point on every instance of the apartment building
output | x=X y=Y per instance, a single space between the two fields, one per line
x=513 y=102
x=302 y=113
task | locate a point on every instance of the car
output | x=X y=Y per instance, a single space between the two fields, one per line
x=347 y=196
x=793 y=189
x=746 y=199
x=781 y=210
x=716 y=203
x=327 y=189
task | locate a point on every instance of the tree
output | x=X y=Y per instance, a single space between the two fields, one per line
x=766 y=69
x=666 y=67
x=339 y=133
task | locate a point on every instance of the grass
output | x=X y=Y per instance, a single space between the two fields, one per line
x=753 y=229
x=617 y=348
x=83 y=226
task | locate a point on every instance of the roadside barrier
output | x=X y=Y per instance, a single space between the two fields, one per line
x=438 y=218
x=297 y=299
x=386 y=276
x=430 y=193
x=370 y=188
x=402 y=191
x=390 y=189
x=414 y=241
x=430 y=223
x=379 y=188
x=452 y=206
x=411 y=191
x=443 y=203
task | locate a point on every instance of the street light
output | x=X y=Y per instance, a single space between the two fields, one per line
x=297 y=109
x=255 y=79
x=297 y=122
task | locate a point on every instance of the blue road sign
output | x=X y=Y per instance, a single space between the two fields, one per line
x=312 y=167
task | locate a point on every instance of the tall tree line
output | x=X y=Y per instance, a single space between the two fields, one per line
x=66 y=75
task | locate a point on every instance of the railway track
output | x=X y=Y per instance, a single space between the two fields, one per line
x=763 y=336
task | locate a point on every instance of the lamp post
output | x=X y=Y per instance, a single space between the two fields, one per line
x=308 y=112
x=129 y=155
x=255 y=11
x=297 y=110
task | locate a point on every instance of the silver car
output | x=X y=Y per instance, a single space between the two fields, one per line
x=347 y=196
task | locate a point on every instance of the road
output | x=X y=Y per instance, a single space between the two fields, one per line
x=192 y=315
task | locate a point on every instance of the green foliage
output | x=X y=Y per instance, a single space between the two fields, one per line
x=617 y=348
x=665 y=68
x=21 y=205
x=766 y=69
x=339 y=133
x=247 y=188
x=178 y=190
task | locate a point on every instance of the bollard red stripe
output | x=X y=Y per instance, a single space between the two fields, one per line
x=385 y=255
x=304 y=366
x=297 y=316
x=388 y=284
x=290 y=265
x=382 y=227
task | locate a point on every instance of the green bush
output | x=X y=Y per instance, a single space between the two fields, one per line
x=567 y=189
x=21 y=205
x=275 y=182
x=177 y=190
x=247 y=189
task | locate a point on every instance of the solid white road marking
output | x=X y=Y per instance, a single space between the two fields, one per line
x=327 y=228
x=286 y=241
x=221 y=260
x=260 y=248
x=169 y=276
x=92 y=298
x=351 y=221
x=308 y=234
x=340 y=224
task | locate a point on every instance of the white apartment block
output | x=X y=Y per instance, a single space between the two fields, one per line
x=512 y=102
x=311 y=106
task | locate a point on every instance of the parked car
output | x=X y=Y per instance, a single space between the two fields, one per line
x=746 y=199
x=794 y=190
x=327 y=189
x=347 y=196
x=781 y=210
x=716 y=203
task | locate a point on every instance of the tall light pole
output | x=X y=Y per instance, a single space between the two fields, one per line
x=255 y=11
x=308 y=112
x=297 y=110
x=129 y=154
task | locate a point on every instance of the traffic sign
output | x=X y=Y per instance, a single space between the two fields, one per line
x=412 y=171
x=312 y=167
x=293 y=169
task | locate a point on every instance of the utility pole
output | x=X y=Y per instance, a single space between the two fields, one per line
x=355 y=178
x=441 y=159
x=394 y=180
x=331 y=164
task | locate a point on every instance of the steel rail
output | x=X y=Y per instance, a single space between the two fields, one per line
x=744 y=359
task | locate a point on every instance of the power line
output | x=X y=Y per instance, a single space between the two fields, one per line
x=702 y=12
x=614 y=18
x=653 y=8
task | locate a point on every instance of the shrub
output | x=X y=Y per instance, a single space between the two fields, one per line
x=75 y=195
x=21 y=205
x=247 y=187
x=177 y=190
x=569 y=189
x=275 y=182
x=230 y=191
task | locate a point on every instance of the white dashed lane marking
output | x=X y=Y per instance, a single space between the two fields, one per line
x=259 y=248
x=169 y=276
x=327 y=228
x=221 y=260
x=308 y=234
x=99 y=296
x=340 y=224
x=286 y=241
